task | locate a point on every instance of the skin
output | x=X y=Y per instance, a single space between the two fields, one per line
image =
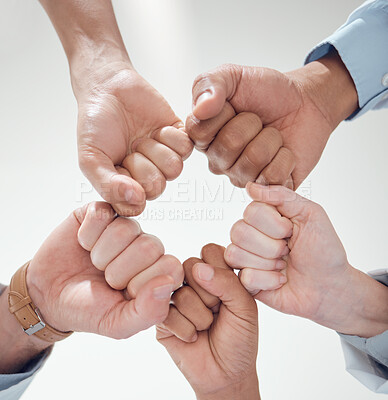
x=219 y=362
x=67 y=283
x=321 y=284
x=130 y=142
x=258 y=124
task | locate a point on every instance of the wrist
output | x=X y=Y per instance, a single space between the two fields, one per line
x=356 y=305
x=368 y=315
x=16 y=347
x=328 y=84
x=93 y=65
x=247 y=389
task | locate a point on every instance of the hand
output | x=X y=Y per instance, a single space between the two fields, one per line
x=321 y=284
x=220 y=360
x=78 y=283
x=130 y=142
x=298 y=111
x=129 y=139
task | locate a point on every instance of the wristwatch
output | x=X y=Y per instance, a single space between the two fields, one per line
x=24 y=310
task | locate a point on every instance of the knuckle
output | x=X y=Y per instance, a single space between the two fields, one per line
x=125 y=227
x=112 y=281
x=233 y=142
x=174 y=166
x=252 y=212
x=237 y=233
x=252 y=119
x=247 y=278
x=96 y=261
x=214 y=167
x=176 y=268
x=237 y=179
x=279 y=248
x=205 y=322
x=182 y=295
x=150 y=246
x=100 y=211
x=272 y=138
x=231 y=256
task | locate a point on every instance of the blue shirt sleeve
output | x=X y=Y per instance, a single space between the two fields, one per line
x=12 y=386
x=362 y=44
x=367 y=359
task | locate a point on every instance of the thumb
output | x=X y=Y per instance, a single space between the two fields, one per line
x=150 y=307
x=124 y=193
x=225 y=285
x=212 y=89
x=287 y=202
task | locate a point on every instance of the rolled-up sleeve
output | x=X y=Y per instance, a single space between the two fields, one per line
x=12 y=386
x=367 y=359
x=362 y=44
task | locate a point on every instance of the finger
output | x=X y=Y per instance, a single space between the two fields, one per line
x=113 y=241
x=97 y=217
x=239 y=258
x=208 y=299
x=267 y=220
x=149 y=308
x=144 y=251
x=177 y=325
x=279 y=169
x=255 y=157
x=202 y=133
x=176 y=139
x=287 y=202
x=146 y=173
x=123 y=192
x=231 y=141
x=213 y=254
x=256 y=242
x=212 y=89
x=190 y=305
x=225 y=285
x=166 y=160
x=255 y=280
x=165 y=265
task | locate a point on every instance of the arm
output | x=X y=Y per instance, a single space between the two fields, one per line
x=217 y=356
x=16 y=348
x=130 y=142
x=320 y=284
x=296 y=112
x=95 y=273
x=361 y=44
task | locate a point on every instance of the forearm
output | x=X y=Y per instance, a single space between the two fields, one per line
x=89 y=34
x=247 y=389
x=360 y=308
x=16 y=347
x=329 y=85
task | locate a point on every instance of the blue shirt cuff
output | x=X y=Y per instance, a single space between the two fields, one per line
x=12 y=386
x=362 y=44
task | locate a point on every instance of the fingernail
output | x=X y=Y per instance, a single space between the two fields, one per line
x=205 y=272
x=204 y=96
x=194 y=338
x=280 y=264
x=282 y=279
x=262 y=181
x=285 y=251
x=163 y=292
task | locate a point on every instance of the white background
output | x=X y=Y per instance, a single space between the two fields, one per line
x=170 y=42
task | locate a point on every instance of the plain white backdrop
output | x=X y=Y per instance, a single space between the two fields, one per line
x=170 y=42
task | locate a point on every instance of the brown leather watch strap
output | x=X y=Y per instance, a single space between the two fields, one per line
x=24 y=310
